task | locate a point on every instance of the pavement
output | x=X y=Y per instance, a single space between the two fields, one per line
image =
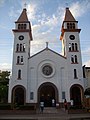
x=48 y=114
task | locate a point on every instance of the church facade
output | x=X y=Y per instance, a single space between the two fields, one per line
x=46 y=75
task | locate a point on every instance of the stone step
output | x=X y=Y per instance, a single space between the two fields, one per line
x=50 y=110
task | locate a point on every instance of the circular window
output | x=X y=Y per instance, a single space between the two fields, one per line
x=72 y=37
x=21 y=37
x=47 y=70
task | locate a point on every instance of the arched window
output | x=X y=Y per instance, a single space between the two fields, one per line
x=72 y=59
x=17 y=47
x=23 y=47
x=73 y=26
x=21 y=59
x=75 y=58
x=18 y=59
x=22 y=26
x=69 y=46
x=75 y=73
x=20 y=47
x=72 y=46
x=19 y=74
x=68 y=26
x=25 y=26
x=19 y=26
x=76 y=48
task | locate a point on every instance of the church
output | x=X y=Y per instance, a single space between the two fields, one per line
x=46 y=75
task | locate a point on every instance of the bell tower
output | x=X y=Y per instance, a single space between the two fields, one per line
x=70 y=34
x=71 y=49
x=21 y=53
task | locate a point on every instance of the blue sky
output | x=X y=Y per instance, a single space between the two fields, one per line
x=46 y=18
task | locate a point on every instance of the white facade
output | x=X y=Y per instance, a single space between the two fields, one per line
x=46 y=75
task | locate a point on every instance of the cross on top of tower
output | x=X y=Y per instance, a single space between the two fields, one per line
x=46 y=44
x=25 y=5
x=67 y=5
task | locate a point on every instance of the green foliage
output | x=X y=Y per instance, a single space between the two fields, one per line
x=4 y=77
x=4 y=81
x=3 y=93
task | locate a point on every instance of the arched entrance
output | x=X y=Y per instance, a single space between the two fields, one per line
x=76 y=94
x=47 y=92
x=87 y=92
x=18 y=95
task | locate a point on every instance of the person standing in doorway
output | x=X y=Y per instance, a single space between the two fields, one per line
x=42 y=106
x=65 y=104
x=53 y=102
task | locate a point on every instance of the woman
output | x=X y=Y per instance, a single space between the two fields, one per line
x=65 y=104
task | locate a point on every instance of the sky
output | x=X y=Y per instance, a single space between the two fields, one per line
x=46 y=17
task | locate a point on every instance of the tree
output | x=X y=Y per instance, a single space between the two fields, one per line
x=4 y=81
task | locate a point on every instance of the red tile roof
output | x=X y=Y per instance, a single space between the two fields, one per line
x=23 y=17
x=69 y=16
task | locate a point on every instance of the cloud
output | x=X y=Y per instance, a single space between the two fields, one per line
x=51 y=21
x=86 y=52
x=5 y=66
x=60 y=14
x=2 y=2
x=44 y=27
x=79 y=8
x=2 y=26
x=39 y=43
x=86 y=56
x=87 y=63
x=36 y=28
x=36 y=46
x=43 y=20
x=31 y=11
x=47 y=23
x=14 y=13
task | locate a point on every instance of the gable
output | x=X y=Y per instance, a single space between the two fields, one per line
x=47 y=55
x=49 y=51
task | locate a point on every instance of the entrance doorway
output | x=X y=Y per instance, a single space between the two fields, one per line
x=18 y=95
x=76 y=92
x=46 y=93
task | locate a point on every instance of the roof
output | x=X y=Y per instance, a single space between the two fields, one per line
x=69 y=16
x=23 y=17
x=87 y=68
x=49 y=50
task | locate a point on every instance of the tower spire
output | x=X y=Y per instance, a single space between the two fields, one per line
x=23 y=24
x=69 y=23
x=23 y=17
x=69 y=16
